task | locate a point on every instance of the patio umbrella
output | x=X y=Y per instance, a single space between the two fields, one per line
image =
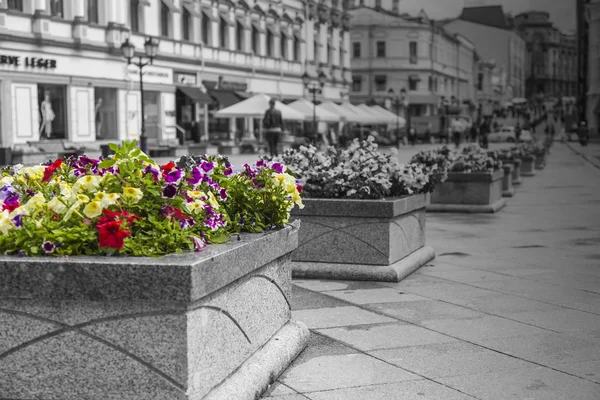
x=309 y=110
x=345 y=114
x=364 y=117
x=255 y=107
x=384 y=119
x=388 y=114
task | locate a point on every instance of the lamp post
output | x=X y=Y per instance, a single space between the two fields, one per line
x=397 y=101
x=314 y=89
x=128 y=51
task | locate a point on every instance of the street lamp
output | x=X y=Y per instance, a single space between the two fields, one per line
x=400 y=100
x=128 y=51
x=314 y=89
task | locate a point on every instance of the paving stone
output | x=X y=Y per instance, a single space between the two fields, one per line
x=288 y=397
x=560 y=319
x=589 y=370
x=465 y=275
x=327 y=286
x=338 y=316
x=278 y=389
x=418 y=311
x=449 y=359
x=369 y=296
x=342 y=371
x=411 y=390
x=531 y=383
x=371 y=337
x=303 y=299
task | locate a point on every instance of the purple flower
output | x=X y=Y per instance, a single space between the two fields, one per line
x=78 y=172
x=174 y=176
x=20 y=253
x=277 y=167
x=7 y=192
x=151 y=170
x=48 y=247
x=196 y=176
x=261 y=163
x=228 y=171
x=207 y=166
x=187 y=223
x=18 y=220
x=223 y=194
x=242 y=220
x=169 y=191
x=30 y=193
x=199 y=243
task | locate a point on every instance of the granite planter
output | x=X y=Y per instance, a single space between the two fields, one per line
x=516 y=173
x=508 y=190
x=528 y=166
x=540 y=162
x=469 y=193
x=380 y=240
x=211 y=325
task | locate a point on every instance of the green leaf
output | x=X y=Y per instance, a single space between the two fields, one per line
x=107 y=163
x=114 y=147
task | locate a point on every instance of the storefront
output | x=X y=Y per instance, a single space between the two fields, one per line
x=191 y=104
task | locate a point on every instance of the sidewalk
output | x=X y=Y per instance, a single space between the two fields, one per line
x=591 y=152
x=510 y=309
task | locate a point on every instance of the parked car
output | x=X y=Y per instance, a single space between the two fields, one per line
x=507 y=134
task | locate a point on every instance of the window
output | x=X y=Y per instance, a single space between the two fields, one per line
x=316 y=51
x=430 y=83
x=255 y=40
x=413 y=52
x=239 y=37
x=223 y=36
x=380 y=49
x=186 y=24
x=205 y=33
x=413 y=84
x=283 y=46
x=165 y=15
x=329 y=55
x=269 y=43
x=380 y=83
x=92 y=11
x=296 y=49
x=356 y=50
x=480 y=81
x=56 y=8
x=356 y=83
x=15 y=5
x=134 y=16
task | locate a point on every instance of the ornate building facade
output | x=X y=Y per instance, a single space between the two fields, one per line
x=68 y=52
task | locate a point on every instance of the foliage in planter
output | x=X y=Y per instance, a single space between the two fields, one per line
x=508 y=155
x=534 y=148
x=356 y=172
x=128 y=205
x=436 y=164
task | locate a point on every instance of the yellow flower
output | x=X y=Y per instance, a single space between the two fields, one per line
x=83 y=198
x=110 y=199
x=274 y=198
x=71 y=211
x=5 y=222
x=19 y=211
x=195 y=194
x=93 y=209
x=298 y=200
x=195 y=206
x=132 y=194
x=35 y=173
x=35 y=202
x=88 y=182
x=212 y=200
x=5 y=180
x=57 y=206
x=99 y=196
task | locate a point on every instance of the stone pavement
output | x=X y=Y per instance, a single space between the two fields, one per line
x=510 y=309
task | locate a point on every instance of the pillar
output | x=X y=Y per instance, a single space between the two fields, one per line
x=347 y=49
x=323 y=56
x=309 y=45
x=262 y=38
x=231 y=29
x=335 y=36
x=214 y=25
x=78 y=8
x=6 y=137
x=40 y=5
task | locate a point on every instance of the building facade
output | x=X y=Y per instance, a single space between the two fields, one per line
x=61 y=58
x=551 y=67
x=393 y=51
x=495 y=40
x=593 y=79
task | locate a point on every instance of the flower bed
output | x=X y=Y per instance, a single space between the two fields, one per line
x=365 y=214
x=511 y=156
x=176 y=326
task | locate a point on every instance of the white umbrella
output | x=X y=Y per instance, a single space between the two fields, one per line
x=383 y=118
x=363 y=116
x=390 y=115
x=255 y=107
x=344 y=113
x=309 y=110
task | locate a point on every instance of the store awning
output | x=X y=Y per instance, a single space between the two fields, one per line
x=363 y=117
x=195 y=94
x=172 y=7
x=242 y=95
x=344 y=114
x=225 y=98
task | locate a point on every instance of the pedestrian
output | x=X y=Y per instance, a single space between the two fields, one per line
x=583 y=132
x=518 y=131
x=485 y=130
x=474 y=133
x=272 y=123
x=456 y=134
x=412 y=135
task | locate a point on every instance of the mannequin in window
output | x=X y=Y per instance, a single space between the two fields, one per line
x=47 y=117
x=99 y=119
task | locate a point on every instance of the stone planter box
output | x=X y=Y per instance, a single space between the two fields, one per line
x=516 y=177
x=382 y=240
x=540 y=162
x=508 y=190
x=213 y=325
x=469 y=193
x=528 y=166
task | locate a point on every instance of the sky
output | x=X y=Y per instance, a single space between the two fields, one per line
x=562 y=12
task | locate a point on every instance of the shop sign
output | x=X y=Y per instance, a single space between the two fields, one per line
x=28 y=62
x=182 y=78
x=221 y=82
x=151 y=74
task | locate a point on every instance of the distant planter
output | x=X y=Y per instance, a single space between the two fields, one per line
x=205 y=325
x=32 y=158
x=382 y=240
x=540 y=161
x=528 y=165
x=469 y=193
x=516 y=173
x=508 y=190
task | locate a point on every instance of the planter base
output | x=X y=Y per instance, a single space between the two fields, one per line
x=509 y=193
x=518 y=181
x=468 y=208
x=355 y=272
x=260 y=370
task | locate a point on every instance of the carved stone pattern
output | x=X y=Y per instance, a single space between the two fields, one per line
x=336 y=18
x=323 y=13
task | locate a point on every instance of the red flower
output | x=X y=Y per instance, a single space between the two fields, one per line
x=111 y=235
x=10 y=206
x=170 y=211
x=168 y=167
x=110 y=216
x=50 y=170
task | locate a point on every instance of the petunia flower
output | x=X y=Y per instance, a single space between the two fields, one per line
x=18 y=221
x=132 y=194
x=196 y=176
x=169 y=191
x=199 y=243
x=174 y=176
x=207 y=166
x=48 y=247
x=277 y=167
x=111 y=235
x=152 y=170
x=49 y=171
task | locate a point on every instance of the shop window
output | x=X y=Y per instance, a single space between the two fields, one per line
x=223 y=30
x=296 y=49
x=413 y=84
x=52 y=100
x=134 y=16
x=92 y=11
x=57 y=8
x=269 y=43
x=15 y=5
x=356 y=50
x=205 y=33
x=105 y=113
x=186 y=24
x=255 y=40
x=283 y=46
x=356 y=83
x=165 y=23
x=239 y=39
x=380 y=49
x=380 y=83
x=413 y=51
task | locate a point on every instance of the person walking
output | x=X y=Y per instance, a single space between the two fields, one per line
x=412 y=135
x=518 y=131
x=485 y=130
x=474 y=133
x=272 y=123
x=583 y=132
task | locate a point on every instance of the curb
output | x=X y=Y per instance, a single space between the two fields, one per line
x=579 y=153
